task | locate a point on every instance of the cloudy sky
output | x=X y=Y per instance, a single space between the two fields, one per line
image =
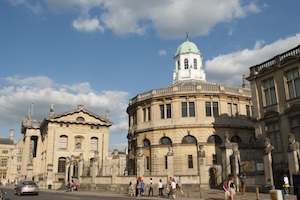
x=101 y=53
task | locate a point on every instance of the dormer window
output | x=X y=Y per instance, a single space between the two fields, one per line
x=80 y=119
x=195 y=63
x=186 y=64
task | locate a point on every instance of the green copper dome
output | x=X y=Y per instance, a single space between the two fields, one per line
x=187 y=47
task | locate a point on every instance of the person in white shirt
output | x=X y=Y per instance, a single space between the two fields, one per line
x=160 y=188
x=151 y=183
x=286 y=184
x=173 y=189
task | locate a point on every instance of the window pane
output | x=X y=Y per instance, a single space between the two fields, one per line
x=297 y=87
x=149 y=114
x=215 y=109
x=192 y=109
x=169 y=113
x=208 y=108
x=190 y=161
x=162 y=111
x=184 y=109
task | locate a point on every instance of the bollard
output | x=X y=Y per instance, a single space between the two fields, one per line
x=257 y=193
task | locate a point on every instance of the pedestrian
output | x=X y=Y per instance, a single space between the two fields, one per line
x=137 y=188
x=69 y=186
x=131 y=189
x=160 y=188
x=142 y=187
x=151 y=183
x=243 y=183
x=173 y=189
x=169 y=186
x=232 y=187
x=286 y=185
x=179 y=185
x=77 y=184
x=226 y=189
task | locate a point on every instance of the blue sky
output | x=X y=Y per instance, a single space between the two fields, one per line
x=101 y=53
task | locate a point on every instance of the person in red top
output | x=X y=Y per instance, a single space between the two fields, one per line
x=169 y=186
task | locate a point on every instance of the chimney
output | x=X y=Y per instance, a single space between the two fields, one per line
x=11 y=134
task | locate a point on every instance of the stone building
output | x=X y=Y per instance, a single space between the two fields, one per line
x=6 y=158
x=62 y=147
x=198 y=130
x=275 y=86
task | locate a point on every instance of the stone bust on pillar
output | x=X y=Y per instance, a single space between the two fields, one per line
x=226 y=136
x=268 y=147
x=293 y=144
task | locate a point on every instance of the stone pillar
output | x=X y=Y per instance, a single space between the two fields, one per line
x=72 y=167
x=293 y=164
x=170 y=160
x=67 y=175
x=80 y=165
x=115 y=169
x=236 y=164
x=50 y=175
x=226 y=155
x=26 y=155
x=269 y=180
x=201 y=165
x=29 y=172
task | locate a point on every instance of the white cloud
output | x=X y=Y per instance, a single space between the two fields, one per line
x=162 y=52
x=169 y=18
x=228 y=69
x=87 y=25
x=17 y=98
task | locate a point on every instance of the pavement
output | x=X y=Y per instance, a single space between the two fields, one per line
x=207 y=194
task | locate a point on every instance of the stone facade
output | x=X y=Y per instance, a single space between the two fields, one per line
x=191 y=127
x=6 y=158
x=275 y=86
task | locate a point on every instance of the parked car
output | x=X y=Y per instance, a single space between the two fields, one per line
x=26 y=187
x=4 y=195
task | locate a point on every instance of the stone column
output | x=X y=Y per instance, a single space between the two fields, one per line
x=226 y=154
x=72 y=167
x=26 y=155
x=67 y=175
x=29 y=171
x=293 y=156
x=140 y=163
x=170 y=160
x=115 y=169
x=50 y=175
x=80 y=165
x=269 y=180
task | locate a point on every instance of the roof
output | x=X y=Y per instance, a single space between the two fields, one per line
x=6 y=141
x=187 y=47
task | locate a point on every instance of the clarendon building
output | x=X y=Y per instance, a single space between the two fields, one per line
x=198 y=130
x=275 y=86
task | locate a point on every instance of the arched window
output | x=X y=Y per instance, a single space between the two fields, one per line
x=236 y=139
x=94 y=144
x=186 y=63
x=80 y=119
x=146 y=143
x=214 y=139
x=165 y=141
x=61 y=164
x=63 y=142
x=195 y=64
x=189 y=140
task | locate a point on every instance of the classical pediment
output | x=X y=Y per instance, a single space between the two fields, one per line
x=270 y=114
x=78 y=116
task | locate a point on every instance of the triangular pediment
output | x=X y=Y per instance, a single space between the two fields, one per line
x=78 y=116
x=293 y=108
x=270 y=114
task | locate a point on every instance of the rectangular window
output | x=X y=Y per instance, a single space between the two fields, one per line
x=235 y=110
x=162 y=111
x=63 y=142
x=94 y=144
x=144 y=115
x=192 y=109
x=269 y=92
x=5 y=151
x=295 y=126
x=166 y=162
x=248 y=111
x=274 y=135
x=293 y=83
x=211 y=108
x=215 y=109
x=147 y=162
x=169 y=111
x=3 y=162
x=190 y=161
x=184 y=109
x=208 y=109
x=187 y=109
x=229 y=108
x=149 y=114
